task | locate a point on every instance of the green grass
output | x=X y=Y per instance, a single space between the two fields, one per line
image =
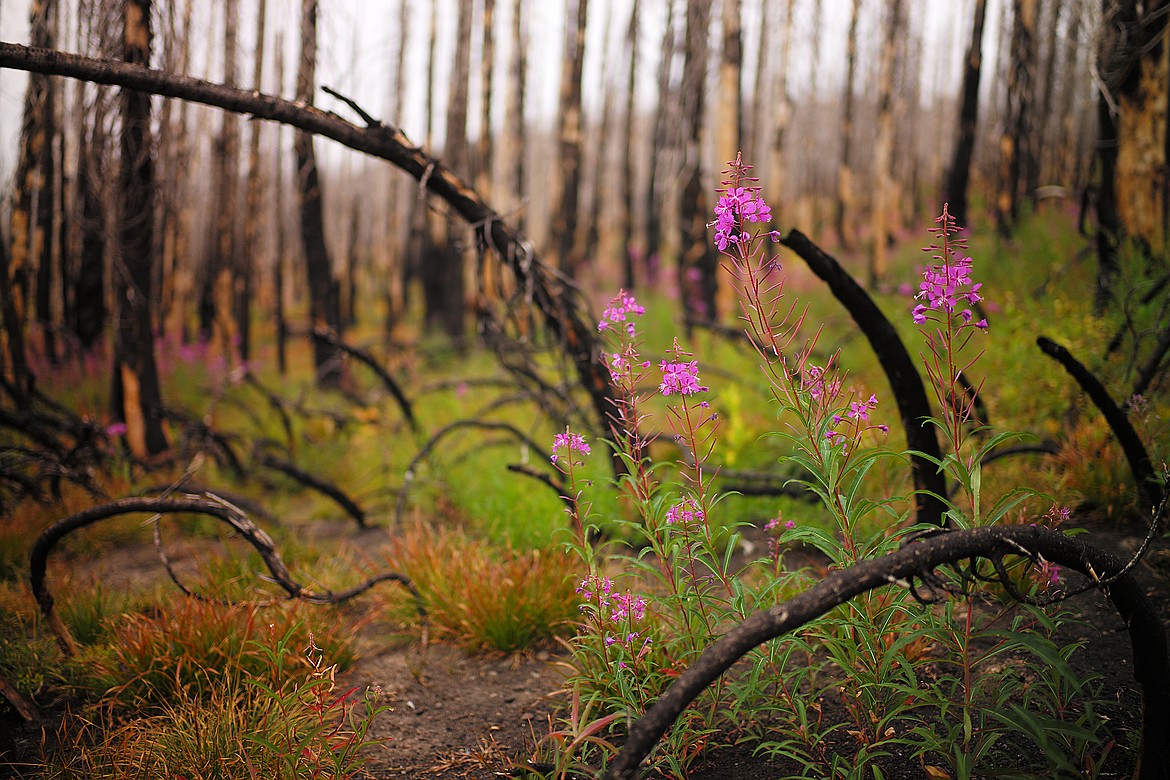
x=166 y=657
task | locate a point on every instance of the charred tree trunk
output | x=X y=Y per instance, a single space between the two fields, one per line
x=279 y=274
x=960 y=172
x=1134 y=64
x=662 y=120
x=242 y=278
x=782 y=100
x=729 y=128
x=226 y=244
x=178 y=206
x=699 y=263
x=136 y=398
x=15 y=376
x=628 y=195
x=845 y=169
x=884 y=144
x=563 y=224
x=729 y=118
x=88 y=312
x=32 y=207
x=484 y=150
x=1015 y=144
x=323 y=305
x=517 y=85
x=443 y=271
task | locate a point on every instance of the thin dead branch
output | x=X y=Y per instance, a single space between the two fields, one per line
x=187 y=504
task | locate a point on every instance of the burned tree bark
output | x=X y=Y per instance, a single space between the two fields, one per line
x=884 y=144
x=1134 y=64
x=517 y=84
x=323 y=304
x=563 y=223
x=626 y=244
x=960 y=171
x=1015 y=144
x=136 y=398
x=1148 y=489
x=31 y=231
x=244 y=269
x=844 y=168
x=443 y=271
x=216 y=323
x=699 y=264
x=484 y=152
x=658 y=144
x=782 y=100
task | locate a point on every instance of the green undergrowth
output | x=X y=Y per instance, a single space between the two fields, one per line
x=486 y=545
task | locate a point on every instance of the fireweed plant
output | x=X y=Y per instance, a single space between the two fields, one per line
x=901 y=672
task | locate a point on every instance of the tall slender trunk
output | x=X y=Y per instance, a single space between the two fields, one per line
x=30 y=220
x=960 y=172
x=395 y=239
x=136 y=398
x=845 y=167
x=656 y=189
x=517 y=84
x=228 y=258
x=565 y=203
x=627 y=176
x=279 y=275
x=699 y=264
x=591 y=243
x=729 y=116
x=728 y=127
x=323 y=304
x=244 y=270
x=782 y=100
x=483 y=151
x=443 y=271
x=884 y=144
x=1015 y=143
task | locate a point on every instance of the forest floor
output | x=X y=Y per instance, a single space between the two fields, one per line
x=468 y=717
x=455 y=715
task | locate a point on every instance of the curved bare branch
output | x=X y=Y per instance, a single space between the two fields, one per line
x=915 y=561
x=202 y=505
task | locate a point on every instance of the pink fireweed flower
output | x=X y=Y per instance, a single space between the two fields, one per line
x=947 y=285
x=621 y=306
x=680 y=378
x=687 y=512
x=739 y=204
x=570 y=442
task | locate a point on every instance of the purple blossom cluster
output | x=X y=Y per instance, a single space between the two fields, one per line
x=944 y=286
x=614 y=609
x=858 y=412
x=621 y=307
x=680 y=378
x=570 y=443
x=735 y=206
x=685 y=513
x=822 y=385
